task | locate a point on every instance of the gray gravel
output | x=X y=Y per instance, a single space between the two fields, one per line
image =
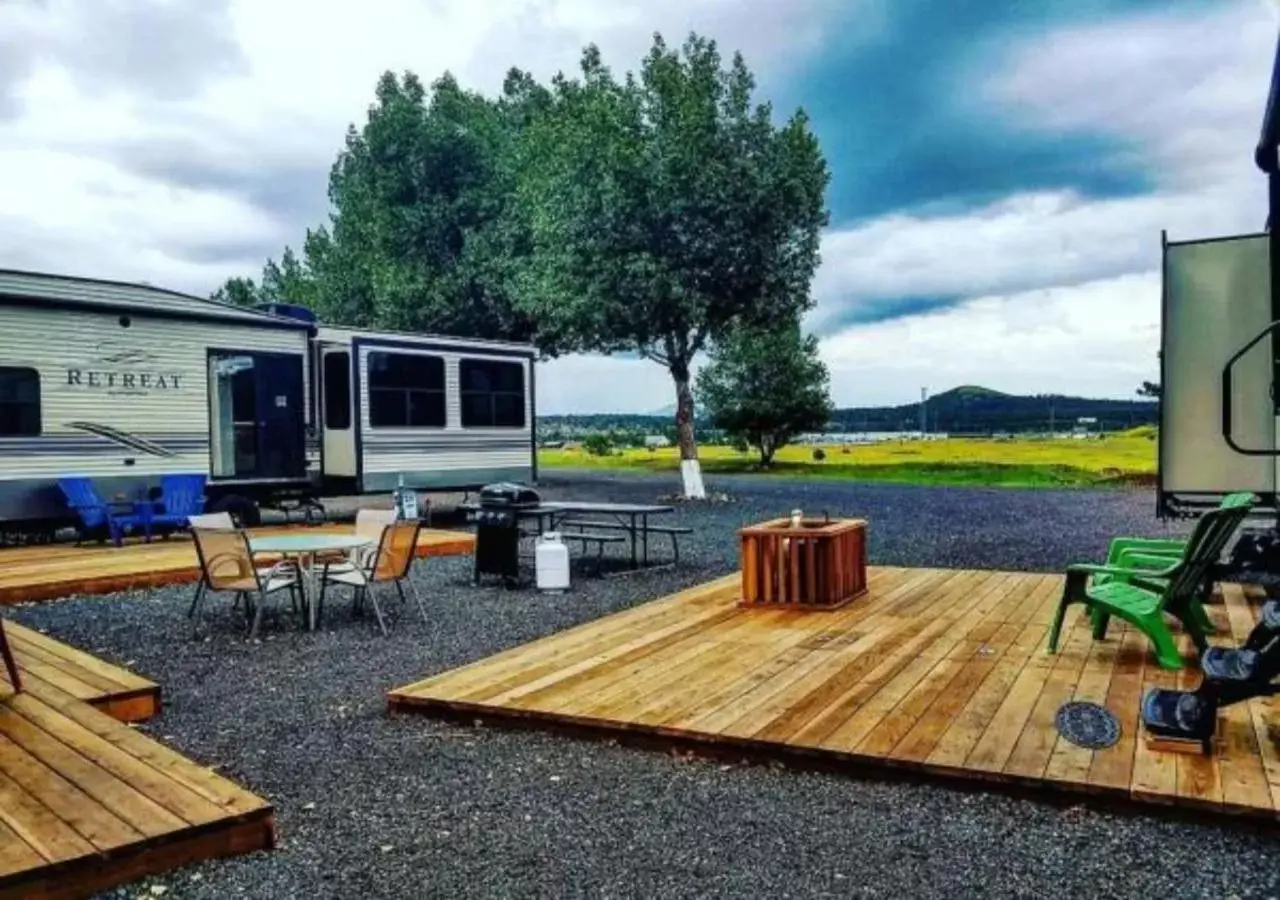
x=370 y=806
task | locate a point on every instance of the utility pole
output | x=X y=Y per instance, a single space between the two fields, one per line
x=924 y=415
x=1052 y=423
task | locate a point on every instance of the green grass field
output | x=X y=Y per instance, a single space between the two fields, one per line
x=1127 y=458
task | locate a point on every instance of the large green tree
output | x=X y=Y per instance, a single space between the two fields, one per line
x=422 y=235
x=667 y=209
x=238 y=290
x=764 y=386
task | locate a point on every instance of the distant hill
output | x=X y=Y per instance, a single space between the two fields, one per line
x=970 y=409
x=962 y=410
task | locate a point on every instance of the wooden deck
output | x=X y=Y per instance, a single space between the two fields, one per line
x=60 y=570
x=87 y=802
x=42 y=661
x=934 y=673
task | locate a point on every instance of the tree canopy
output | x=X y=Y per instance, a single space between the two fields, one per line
x=666 y=211
x=653 y=213
x=764 y=386
x=421 y=233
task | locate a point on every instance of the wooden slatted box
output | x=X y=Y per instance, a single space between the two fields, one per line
x=820 y=564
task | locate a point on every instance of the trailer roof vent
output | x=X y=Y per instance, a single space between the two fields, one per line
x=288 y=310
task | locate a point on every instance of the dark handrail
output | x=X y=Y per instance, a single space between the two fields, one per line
x=1227 y=395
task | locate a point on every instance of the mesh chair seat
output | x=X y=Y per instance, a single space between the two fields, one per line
x=390 y=563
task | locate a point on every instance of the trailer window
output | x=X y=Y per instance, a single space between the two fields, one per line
x=492 y=393
x=337 y=391
x=19 y=402
x=406 y=390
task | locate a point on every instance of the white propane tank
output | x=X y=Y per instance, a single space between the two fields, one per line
x=551 y=559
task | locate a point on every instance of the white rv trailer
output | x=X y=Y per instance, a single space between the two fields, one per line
x=124 y=383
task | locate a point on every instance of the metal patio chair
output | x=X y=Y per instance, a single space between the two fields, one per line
x=220 y=520
x=392 y=562
x=370 y=524
x=227 y=566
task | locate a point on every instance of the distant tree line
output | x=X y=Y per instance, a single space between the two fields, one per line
x=978 y=410
x=965 y=410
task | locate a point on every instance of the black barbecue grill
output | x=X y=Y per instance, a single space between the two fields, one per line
x=497 y=521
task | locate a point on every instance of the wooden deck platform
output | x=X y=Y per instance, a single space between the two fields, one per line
x=934 y=673
x=87 y=802
x=119 y=693
x=60 y=570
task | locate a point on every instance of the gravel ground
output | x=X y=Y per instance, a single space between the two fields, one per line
x=370 y=806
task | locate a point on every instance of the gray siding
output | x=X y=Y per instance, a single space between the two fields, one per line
x=169 y=408
x=431 y=457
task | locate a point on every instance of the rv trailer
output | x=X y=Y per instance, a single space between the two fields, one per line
x=124 y=383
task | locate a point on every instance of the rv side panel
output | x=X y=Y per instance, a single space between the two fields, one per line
x=411 y=397
x=1217 y=298
x=119 y=398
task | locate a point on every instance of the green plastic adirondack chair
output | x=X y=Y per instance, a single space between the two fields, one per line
x=1149 y=555
x=1154 y=553
x=1142 y=594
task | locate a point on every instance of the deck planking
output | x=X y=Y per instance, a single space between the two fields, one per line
x=111 y=689
x=46 y=572
x=938 y=672
x=88 y=802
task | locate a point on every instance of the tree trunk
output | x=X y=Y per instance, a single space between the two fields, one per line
x=690 y=470
x=767 y=449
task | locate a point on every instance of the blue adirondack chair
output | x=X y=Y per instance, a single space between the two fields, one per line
x=181 y=496
x=97 y=517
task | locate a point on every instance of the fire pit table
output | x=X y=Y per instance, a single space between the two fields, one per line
x=818 y=564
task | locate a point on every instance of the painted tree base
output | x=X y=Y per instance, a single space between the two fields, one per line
x=691 y=473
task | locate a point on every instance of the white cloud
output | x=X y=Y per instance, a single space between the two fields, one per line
x=1022 y=242
x=1096 y=339
x=594 y=383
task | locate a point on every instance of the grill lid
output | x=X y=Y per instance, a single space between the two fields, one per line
x=508 y=494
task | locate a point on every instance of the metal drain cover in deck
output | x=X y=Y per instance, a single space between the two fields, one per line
x=1087 y=725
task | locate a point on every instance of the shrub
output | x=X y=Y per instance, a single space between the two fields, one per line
x=819 y=454
x=597 y=444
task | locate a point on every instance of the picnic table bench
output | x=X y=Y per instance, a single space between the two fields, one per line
x=599 y=538
x=609 y=530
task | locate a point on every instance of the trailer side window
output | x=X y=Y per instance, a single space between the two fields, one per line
x=19 y=402
x=492 y=393
x=337 y=391
x=406 y=390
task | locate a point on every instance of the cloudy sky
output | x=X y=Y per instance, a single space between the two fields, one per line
x=1002 y=169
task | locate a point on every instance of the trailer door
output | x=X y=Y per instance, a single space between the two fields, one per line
x=283 y=419
x=257 y=415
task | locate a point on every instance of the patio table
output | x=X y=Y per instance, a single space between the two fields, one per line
x=304 y=548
